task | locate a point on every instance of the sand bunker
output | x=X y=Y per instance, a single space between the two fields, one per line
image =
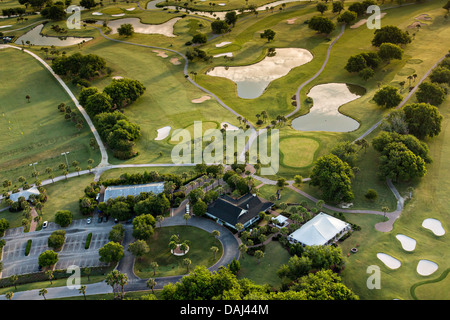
x=97 y=13
x=434 y=225
x=389 y=261
x=201 y=99
x=229 y=126
x=291 y=21
x=163 y=133
x=222 y=44
x=130 y=9
x=226 y=54
x=7 y=26
x=222 y=4
x=118 y=15
x=166 y=29
x=252 y=80
x=363 y=21
x=175 y=61
x=424 y=16
x=408 y=244
x=426 y=267
x=117 y=77
x=160 y=53
x=416 y=24
x=324 y=115
x=36 y=38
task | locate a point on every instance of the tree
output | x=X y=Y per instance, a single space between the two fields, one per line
x=347 y=17
x=82 y=290
x=28 y=98
x=56 y=239
x=321 y=7
x=387 y=97
x=219 y=26
x=187 y=262
x=54 y=12
x=259 y=255
x=117 y=233
x=63 y=217
x=199 y=38
x=296 y=267
x=187 y=216
x=124 y=91
x=338 y=6
x=138 y=248
x=199 y=208
x=390 y=34
x=333 y=177
x=111 y=252
x=14 y=279
x=151 y=283
x=447 y=6
x=423 y=119
x=98 y=103
x=298 y=179
x=126 y=30
x=43 y=292
x=366 y=73
x=48 y=258
x=440 y=75
x=321 y=24
x=371 y=195
x=117 y=280
x=431 y=93
x=120 y=210
x=214 y=250
x=143 y=226
x=268 y=34
x=389 y=51
x=356 y=63
x=88 y=4
x=231 y=18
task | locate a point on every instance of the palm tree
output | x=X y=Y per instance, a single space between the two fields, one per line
x=83 y=291
x=186 y=217
x=78 y=169
x=9 y=295
x=214 y=250
x=154 y=265
x=50 y=275
x=14 y=279
x=160 y=219
x=216 y=233
x=65 y=172
x=385 y=209
x=243 y=248
x=187 y=262
x=151 y=283
x=7 y=183
x=43 y=292
x=239 y=119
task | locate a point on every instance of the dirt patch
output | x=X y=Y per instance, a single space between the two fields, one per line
x=424 y=16
x=416 y=24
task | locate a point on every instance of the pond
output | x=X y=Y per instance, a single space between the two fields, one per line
x=36 y=38
x=166 y=28
x=324 y=115
x=252 y=80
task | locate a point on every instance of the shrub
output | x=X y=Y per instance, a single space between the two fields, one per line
x=28 y=247
x=88 y=241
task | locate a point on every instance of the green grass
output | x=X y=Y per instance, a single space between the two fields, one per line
x=35 y=131
x=265 y=272
x=298 y=152
x=169 y=264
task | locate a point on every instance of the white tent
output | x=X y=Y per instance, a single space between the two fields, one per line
x=26 y=194
x=319 y=230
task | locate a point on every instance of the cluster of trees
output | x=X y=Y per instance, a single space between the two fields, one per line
x=88 y=202
x=435 y=91
x=113 y=126
x=388 y=39
x=223 y=285
x=79 y=66
x=143 y=226
x=142 y=178
x=321 y=24
x=13 y=11
x=71 y=115
x=237 y=183
x=55 y=12
x=196 y=53
x=123 y=208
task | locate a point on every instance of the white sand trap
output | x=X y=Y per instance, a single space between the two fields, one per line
x=426 y=267
x=226 y=54
x=201 y=99
x=229 y=127
x=130 y=9
x=434 y=225
x=160 y=53
x=363 y=21
x=252 y=80
x=175 y=61
x=222 y=44
x=408 y=244
x=291 y=21
x=424 y=16
x=222 y=4
x=117 y=77
x=97 y=13
x=389 y=261
x=163 y=133
x=416 y=24
x=118 y=15
x=166 y=29
x=7 y=26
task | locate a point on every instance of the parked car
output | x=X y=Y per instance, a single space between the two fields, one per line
x=99 y=219
x=116 y=221
x=45 y=224
x=187 y=209
x=88 y=220
x=105 y=218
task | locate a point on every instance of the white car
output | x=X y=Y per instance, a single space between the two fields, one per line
x=88 y=220
x=45 y=224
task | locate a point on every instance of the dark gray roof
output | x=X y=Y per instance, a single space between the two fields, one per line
x=239 y=210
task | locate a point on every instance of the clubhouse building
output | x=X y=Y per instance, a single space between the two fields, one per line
x=245 y=210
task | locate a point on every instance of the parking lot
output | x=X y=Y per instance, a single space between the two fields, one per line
x=72 y=252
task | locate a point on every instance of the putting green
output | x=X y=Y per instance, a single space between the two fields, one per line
x=298 y=152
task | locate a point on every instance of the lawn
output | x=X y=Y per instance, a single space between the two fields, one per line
x=170 y=265
x=36 y=131
x=265 y=272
